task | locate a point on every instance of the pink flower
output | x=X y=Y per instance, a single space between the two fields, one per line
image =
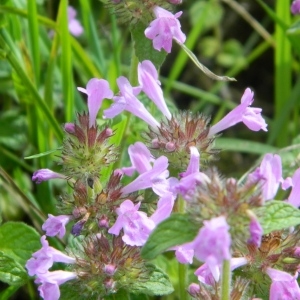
x=295 y=7
x=56 y=225
x=156 y=178
x=50 y=282
x=212 y=244
x=184 y=253
x=141 y=159
x=45 y=174
x=270 y=174
x=191 y=177
x=127 y=100
x=97 y=90
x=43 y=259
x=75 y=27
x=284 y=286
x=136 y=225
x=293 y=198
x=205 y=274
x=250 y=116
x=148 y=79
x=164 y=28
x=256 y=232
x=164 y=208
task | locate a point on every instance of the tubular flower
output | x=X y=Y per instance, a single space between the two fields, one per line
x=45 y=174
x=128 y=101
x=148 y=79
x=270 y=173
x=156 y=178
x=136 y=225
x=250 y=116
x=212 y=244
x=44 y=258
x=56 y=225
x=97 y=90
x=293 y=198
x=164 y=28
x=50 y=282
x=284 y=286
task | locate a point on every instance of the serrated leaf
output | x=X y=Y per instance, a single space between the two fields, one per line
x=18 y=241
x=176 y=230
x=157 y=284
x=11 y=272
x=277 y=215
x=143 y=46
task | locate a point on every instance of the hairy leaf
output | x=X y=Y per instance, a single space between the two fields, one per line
x=277 y=215
x=176 y=230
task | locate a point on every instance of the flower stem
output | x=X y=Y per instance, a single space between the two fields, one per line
x=182 y=271
x=226 y=278
x=182 y=268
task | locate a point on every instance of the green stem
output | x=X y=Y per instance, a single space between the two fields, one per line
x=182 y=277
x=226 y=278
x=182 y=269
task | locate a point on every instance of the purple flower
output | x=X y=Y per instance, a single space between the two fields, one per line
x=155 y=178
x=295 y=7
x=97 y=90
x=127 y=100
x=184 y=253
x=50 y=282
x=270 y=173
x=284 y=286
x=136 y=225
x=205 y=274
x=191 y=177
x=56 y=225
x=293 y=198
x=250 y=116
x=256 y=232
x=45 y=174
x=212 y=244
x=148 y=79
x=43 y=259
x=75 y=27
x=164 y=208
x=140 y=158
x=164 y=28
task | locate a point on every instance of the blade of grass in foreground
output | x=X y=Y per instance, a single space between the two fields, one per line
x=66 y=61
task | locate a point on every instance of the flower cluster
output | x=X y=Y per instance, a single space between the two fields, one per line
x=112 y=216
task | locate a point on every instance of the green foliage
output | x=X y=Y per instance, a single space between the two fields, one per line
x=18 y=241
x=158 y=283
x=176 y=230
x=278 y=215
x=11 y=272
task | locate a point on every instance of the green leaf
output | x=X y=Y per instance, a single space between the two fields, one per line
x=157 y=284
x=7 y=293
x=11 y=272
x=143 y=46
x=239 y=145
x=18 y=241
x=277 y=215
x=176 y=230
x=42 y=154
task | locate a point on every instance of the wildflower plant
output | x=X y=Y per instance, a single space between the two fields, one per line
x=121 y=224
